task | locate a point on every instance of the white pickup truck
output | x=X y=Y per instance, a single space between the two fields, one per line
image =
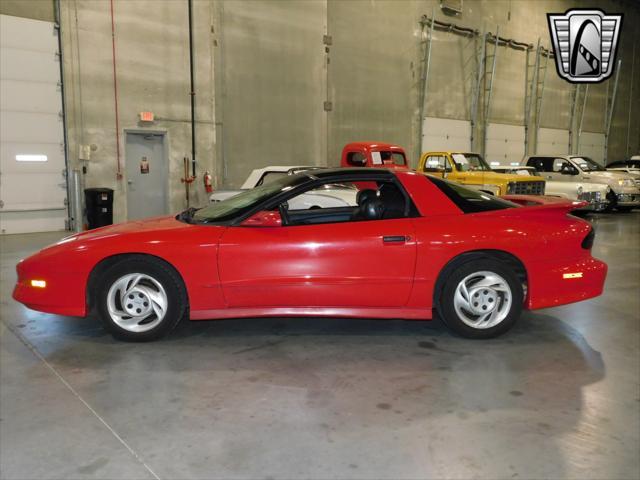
x=594 y=193
x=332 y=195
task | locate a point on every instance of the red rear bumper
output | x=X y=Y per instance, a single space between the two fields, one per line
x=557 y=283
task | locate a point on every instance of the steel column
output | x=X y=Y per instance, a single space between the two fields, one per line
x=610 y=108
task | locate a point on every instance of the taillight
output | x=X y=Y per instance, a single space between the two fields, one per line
x=587 y=243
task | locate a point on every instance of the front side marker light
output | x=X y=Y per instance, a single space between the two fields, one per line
x=39 y=283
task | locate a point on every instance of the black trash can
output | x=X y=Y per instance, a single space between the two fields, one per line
x=99 y=207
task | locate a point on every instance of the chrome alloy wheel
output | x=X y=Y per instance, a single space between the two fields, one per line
x=137 y=302
x=482 y=299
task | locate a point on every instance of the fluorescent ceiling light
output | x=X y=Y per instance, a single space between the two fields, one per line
x=495 y=163
x=31 y=158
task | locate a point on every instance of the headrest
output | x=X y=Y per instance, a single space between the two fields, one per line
x=364 y=195
x=372 y=209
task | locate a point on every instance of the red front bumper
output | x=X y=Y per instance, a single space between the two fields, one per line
x=63 y=295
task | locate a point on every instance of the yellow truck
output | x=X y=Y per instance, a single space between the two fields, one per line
x=472 y=170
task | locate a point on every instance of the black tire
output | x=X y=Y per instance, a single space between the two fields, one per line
x=624 y=209
x=613 y=201
x=165 y=275
x=447 y=309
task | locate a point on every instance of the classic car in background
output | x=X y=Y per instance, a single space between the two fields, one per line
x=594 y=193
x=329 y=195
x=625 y=190
x=631 y=166
x=373 y=155
x=471 y=170
x=414 y=245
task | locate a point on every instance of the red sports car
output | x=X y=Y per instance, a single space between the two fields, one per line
x=412 y=246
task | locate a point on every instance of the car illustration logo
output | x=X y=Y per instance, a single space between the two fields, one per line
x=584 y=44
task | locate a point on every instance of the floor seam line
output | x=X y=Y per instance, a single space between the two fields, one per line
x=38 y=355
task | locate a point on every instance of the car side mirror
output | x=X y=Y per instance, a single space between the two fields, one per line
x=265 y=218
x=569 y=171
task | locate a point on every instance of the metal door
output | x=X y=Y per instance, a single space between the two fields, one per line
x=147 y=174
x=32 y=182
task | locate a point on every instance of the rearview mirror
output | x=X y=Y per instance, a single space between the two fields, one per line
x=264 y=218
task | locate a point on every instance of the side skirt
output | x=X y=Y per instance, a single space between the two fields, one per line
x=347 y=312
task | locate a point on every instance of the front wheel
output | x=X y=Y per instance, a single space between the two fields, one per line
x=141 y=299
x=481 y=299
x=624 y=209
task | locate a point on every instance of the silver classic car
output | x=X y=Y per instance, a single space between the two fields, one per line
x=625 y=188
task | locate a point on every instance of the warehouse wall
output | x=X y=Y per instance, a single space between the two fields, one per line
x=264 y=75
x=152 y=63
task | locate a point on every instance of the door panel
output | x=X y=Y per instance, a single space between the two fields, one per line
x=338 y=265
x=147 y=174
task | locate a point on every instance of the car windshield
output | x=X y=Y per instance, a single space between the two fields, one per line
x=470 y=201
x=470 y=162
x=588 y=165
x=243 y=202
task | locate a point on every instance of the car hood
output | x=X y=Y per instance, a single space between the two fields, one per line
x=164 y=223
x=607 y=175
x=503 y=177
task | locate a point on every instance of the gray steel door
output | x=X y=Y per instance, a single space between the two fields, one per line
x=147 y=175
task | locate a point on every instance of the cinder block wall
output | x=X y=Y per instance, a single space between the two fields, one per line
x=291 y=81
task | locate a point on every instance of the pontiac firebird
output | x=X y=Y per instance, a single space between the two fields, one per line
x=413 y=246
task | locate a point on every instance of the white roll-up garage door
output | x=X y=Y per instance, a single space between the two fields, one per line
x=505 y=144
x=32 y=181
x=592 y=146
x=445 y=134
x=553 y=141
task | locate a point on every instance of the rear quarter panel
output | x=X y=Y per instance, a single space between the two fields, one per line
x=540 y=242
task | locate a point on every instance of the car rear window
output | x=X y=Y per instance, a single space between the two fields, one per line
x=471 y=201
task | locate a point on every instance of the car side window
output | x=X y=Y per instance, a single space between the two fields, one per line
x=560 y=165
x=541 y=164
x=356 y=159
x=436 y=163
x=270 y=177
x=384 y=200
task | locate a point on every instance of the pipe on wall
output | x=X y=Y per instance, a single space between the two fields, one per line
x=58 y=27
x=115 y=92
x=193 y=91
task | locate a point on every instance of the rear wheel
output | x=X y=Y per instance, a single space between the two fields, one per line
x=481 y=299
x=141 y=299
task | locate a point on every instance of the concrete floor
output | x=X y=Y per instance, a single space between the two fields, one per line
x=558 y=397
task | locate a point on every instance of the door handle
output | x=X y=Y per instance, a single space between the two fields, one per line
x=395 y=238
x=130 y=182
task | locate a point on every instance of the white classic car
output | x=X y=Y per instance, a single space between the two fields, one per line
x=594 y=193
x=625 y=188
x=328 y=196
